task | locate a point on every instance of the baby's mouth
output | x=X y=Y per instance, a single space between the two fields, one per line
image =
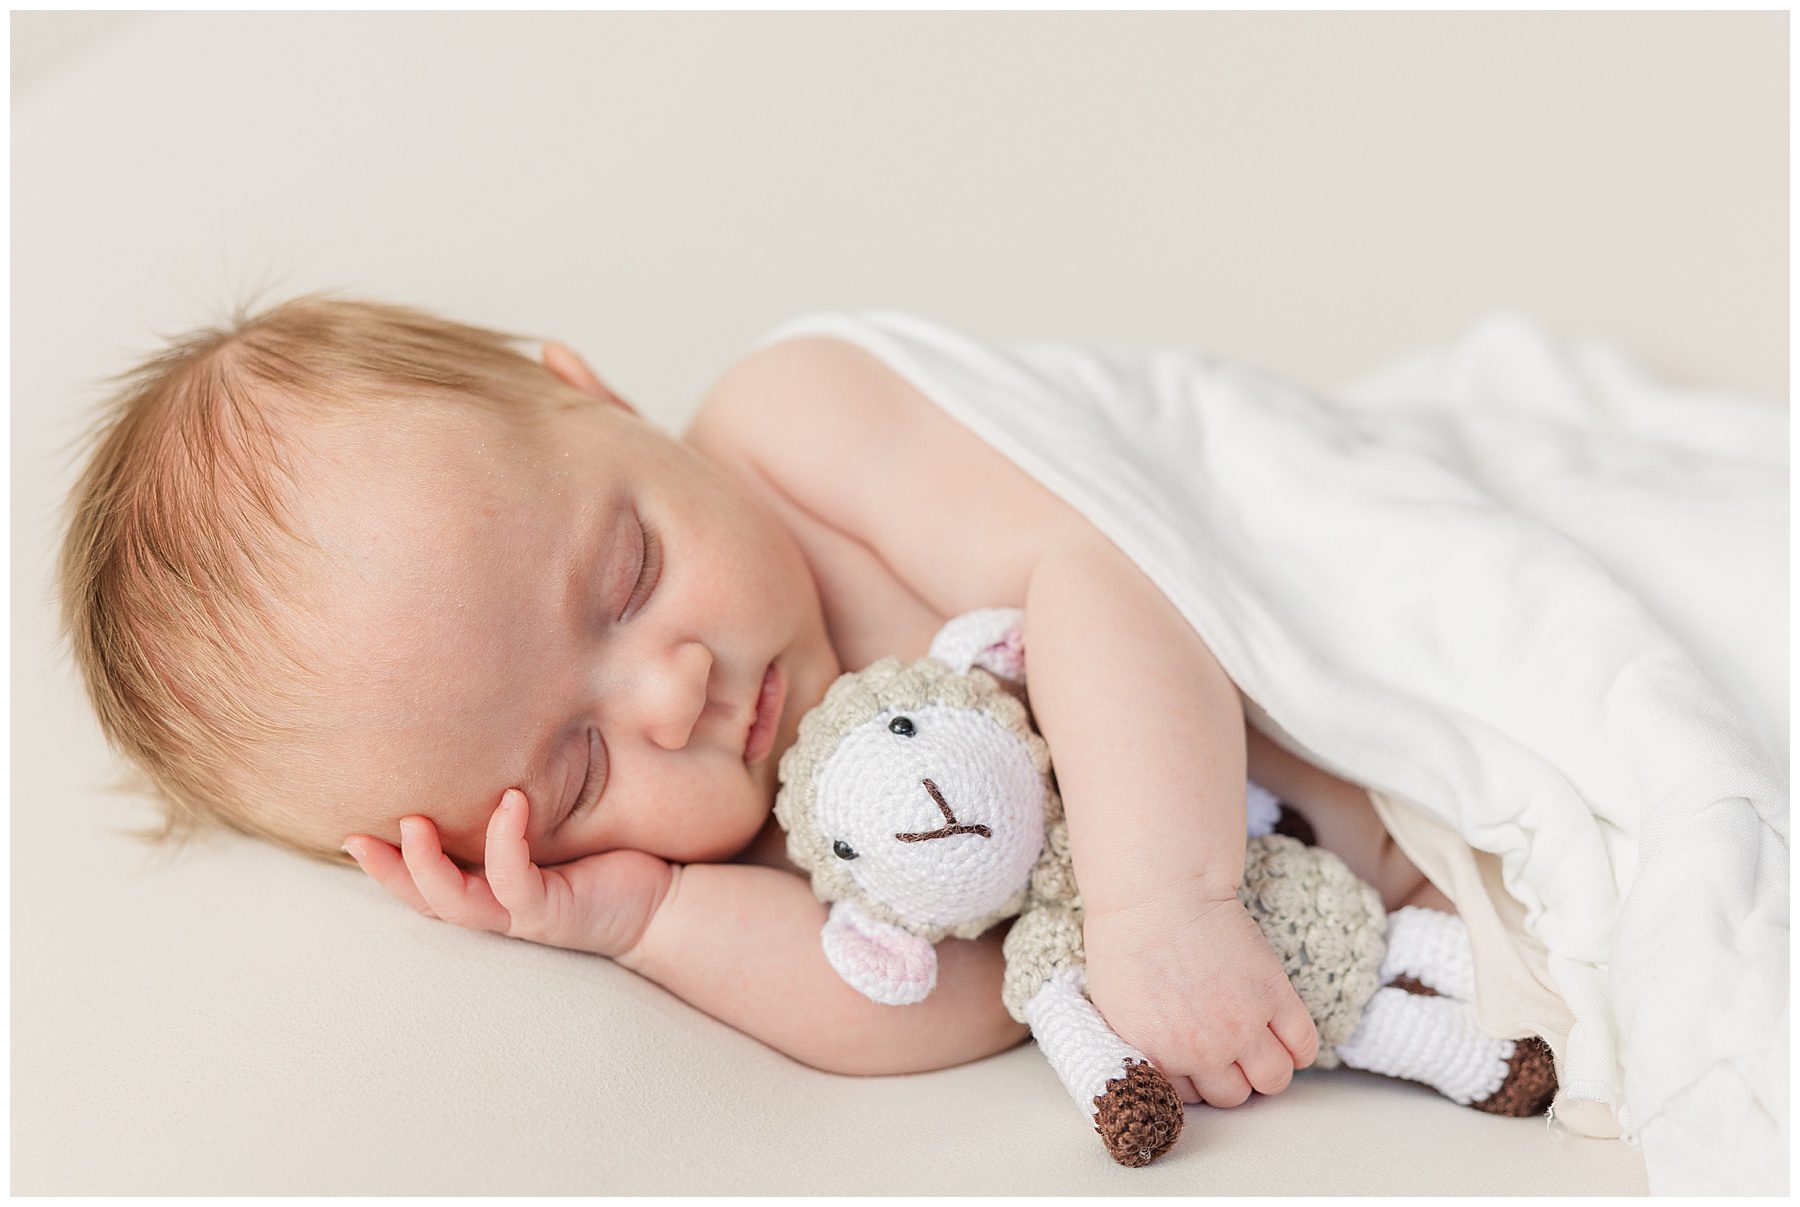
x=764 y=722
x=951 y=826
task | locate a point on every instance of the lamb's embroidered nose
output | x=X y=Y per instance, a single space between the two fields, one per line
x=951 y=825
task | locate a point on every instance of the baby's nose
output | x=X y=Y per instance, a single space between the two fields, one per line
x=673 y=693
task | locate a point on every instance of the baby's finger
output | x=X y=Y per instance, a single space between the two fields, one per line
x=1293 y=1026
x=381 y=860
x=1266 y=1064
x=515 y=880
x=453 y=894
x=1184 y=1089
x=1222 y=1087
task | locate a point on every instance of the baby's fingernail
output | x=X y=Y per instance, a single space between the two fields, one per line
x=509 y=799
x=351 y=851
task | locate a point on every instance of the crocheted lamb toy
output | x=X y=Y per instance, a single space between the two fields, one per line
x=923 y=805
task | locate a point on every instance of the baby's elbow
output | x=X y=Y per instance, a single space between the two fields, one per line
x=852 y=1046
x=927 y=1059
x=962 y=1020
x=905 y=1042
x=855 y=1062
x=897 y=1062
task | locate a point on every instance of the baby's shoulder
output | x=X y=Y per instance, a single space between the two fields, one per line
x=785 y=403
x=844 y=436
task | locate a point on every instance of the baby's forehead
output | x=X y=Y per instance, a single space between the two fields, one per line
x=450 y=479
x=408 y=437
x=431 y=512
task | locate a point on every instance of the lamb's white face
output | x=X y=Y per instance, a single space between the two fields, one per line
x=936 y=812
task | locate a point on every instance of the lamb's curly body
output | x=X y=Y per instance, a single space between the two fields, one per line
x=1326 y=926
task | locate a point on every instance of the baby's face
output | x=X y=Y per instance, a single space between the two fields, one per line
x=585 y=611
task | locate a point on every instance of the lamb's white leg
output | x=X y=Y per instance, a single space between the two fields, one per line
x=1076 y=1040
x=1432 y=948
x=1428 y=1039
x=1131 y=1104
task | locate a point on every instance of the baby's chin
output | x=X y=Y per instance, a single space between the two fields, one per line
x=728 y=843
x=768 y=846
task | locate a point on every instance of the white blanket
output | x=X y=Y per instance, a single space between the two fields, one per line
x=1518 y=588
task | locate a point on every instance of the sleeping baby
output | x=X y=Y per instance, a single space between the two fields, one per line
x=377 y=586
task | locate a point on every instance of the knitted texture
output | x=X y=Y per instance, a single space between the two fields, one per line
x=1530 y=1081
x=1432 y=948
x=1081 y=1048
x=850 y=769
x=1326 y=926
x=1139 y=1116
x=1044 y=942
x=1133 y=1107
x=1433 y=1040
x=882 y=962
x=922 y=803
x=990 y=638
x=1262 y=810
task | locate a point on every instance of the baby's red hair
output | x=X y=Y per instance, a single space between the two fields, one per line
x=179 y=572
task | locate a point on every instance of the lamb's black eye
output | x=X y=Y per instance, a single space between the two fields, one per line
x=902 y=726
x=843 y=850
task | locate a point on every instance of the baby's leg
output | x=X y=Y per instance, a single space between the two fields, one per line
x=1345 y=823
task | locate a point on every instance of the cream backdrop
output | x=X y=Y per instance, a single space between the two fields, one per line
x=1313 y=193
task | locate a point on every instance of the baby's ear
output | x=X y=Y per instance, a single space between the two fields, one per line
x=568 y=366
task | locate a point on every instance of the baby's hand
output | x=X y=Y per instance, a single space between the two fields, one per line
x=1193 y=985
x=599 y=903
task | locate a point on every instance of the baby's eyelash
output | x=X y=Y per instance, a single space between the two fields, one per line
x=591 y=784
x=650 y=569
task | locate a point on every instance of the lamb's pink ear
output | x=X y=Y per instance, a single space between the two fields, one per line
x=878 y=959
x=991 y=638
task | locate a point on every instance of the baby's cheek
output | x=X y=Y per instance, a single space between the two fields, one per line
x=724 y=828
x=465 y=845
x=781 y=564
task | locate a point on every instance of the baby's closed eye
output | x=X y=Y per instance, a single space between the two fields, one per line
x=593 y=781
x=649 y=568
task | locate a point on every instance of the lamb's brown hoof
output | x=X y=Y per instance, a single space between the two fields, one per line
x=1139 y=1115
x=1530 y=1082
x=1290 y=823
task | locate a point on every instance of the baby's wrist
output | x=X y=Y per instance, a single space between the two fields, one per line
x=636 y=955
x=1147 y=901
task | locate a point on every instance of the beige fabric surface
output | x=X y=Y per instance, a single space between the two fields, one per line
x=1313 y=193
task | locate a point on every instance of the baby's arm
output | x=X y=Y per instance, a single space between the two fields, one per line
x=742 y=943
x=738 y=942
x=1148 y=735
